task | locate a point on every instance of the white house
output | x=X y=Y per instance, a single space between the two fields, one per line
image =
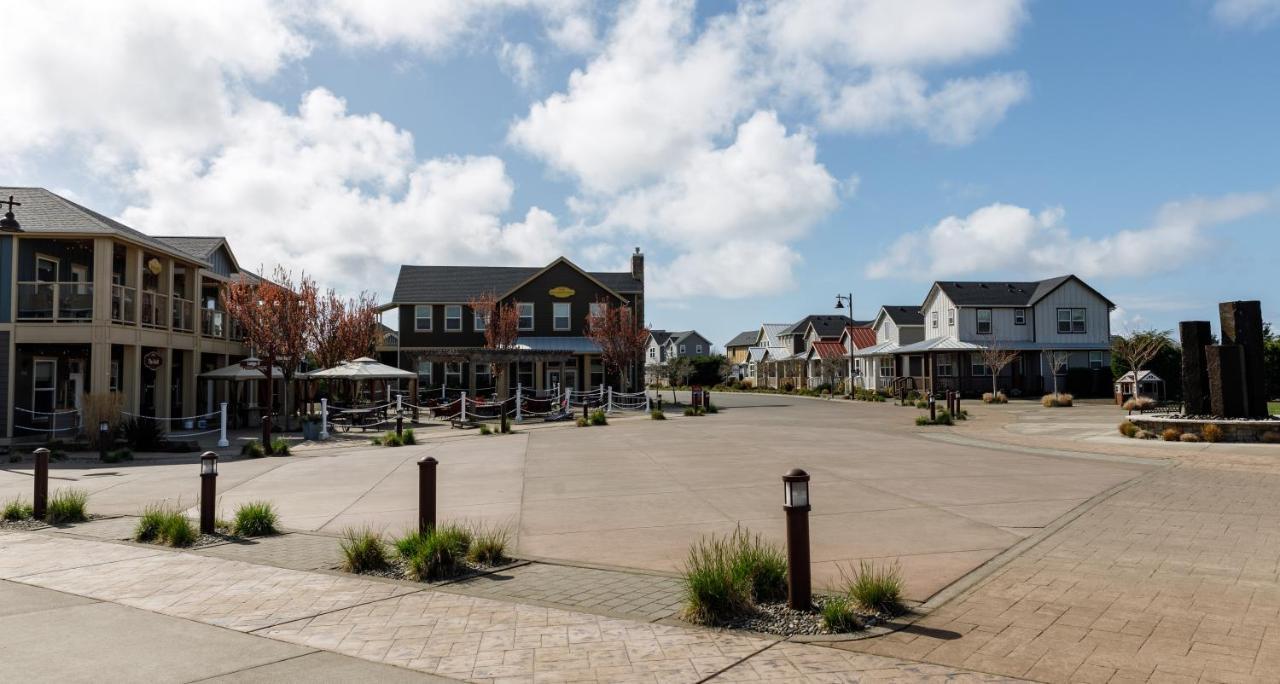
x=895 y=326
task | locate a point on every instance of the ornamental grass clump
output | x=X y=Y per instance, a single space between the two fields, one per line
x=726 y=576
x=253 y=449
x=256 y=519
x=67 y=506
x=598 y=417
x=279 y=447
x=438 y=554
x=488 y=544
x=1189 y=437
x=408 y=438
x=877 y=589
x=1211 y=433
x=362 y=550
x=1171 y=434
x=657 y=414
x=1128 y=429
x=997 y=398
x=1139 y=404
x=1060 y=399
x=162 y=523
x=16 y=509
x=838 y=615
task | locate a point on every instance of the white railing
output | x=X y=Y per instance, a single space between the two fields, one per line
x=155 y=309
x=124 y=304
x=48 y=301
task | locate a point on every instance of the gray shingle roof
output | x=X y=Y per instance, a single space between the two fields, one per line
x=904 y=314
x=461 y=283
x=827 y=325
x=45 y=212
x=746 y=338
x=660 y=336
x=995 y=293
x=199 y=247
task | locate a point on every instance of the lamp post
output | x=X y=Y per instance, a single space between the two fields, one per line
x=40 y=497
x=841 y=300
x=427 y=494
x=208 y=490
x=104 y=432
x=796 y=504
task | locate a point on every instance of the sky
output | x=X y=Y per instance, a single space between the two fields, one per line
x=765 y=156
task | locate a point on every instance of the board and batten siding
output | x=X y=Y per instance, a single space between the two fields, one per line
x=1072 y=294
x=1003 y=328
x=4 y=381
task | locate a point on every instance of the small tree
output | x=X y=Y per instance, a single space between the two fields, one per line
x=995 y=358
x=1138 y=349
x=679 y=370
x=342 y=329
x=501 y=330
x=621 y=338
x=1056 y=361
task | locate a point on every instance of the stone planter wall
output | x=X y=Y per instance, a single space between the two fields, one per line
x=1232 y=430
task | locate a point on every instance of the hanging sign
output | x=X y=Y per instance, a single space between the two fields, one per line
x=152 y=360
x=561 y=292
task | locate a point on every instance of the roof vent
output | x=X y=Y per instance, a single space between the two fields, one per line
x=9 y=223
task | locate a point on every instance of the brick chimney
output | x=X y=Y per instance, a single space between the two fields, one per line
x=637 y=265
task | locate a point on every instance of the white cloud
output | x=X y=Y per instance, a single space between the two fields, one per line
x=520 y=62
x=434 y=25
x=1255 y=14
x=1007 y=239
x=743 y=268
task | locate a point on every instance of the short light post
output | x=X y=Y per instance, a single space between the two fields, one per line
x=399 y=416
x=933 y=407
x=324 y=418
x=104 y=435
x=955 y=403
x=40 y=503
x=208 y=490
x=796 y=504
x=427 y=494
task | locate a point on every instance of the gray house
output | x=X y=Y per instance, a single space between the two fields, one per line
x=665 y=346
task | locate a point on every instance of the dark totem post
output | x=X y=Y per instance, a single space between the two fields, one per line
x=40 y=497
x=1195 y=336
x=1225 y=364
x=427 y=494
x=796 y=505
x=1242 y=326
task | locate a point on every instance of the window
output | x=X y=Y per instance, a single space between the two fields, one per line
x=951 y=318
x=114 y=382
x=653 y=353
x=977 y=367
x=933 y=320
x=422 y=318
x=595 y=309
x=1019 y=316
x=526 y=315
x=1095 y=359
x=1071 y=321
x=46 y=269
x=481 y=320
x=984 y=321
x=945 y=367
x=561 y=315
x=524 y=373
x=682 y=350
x=453 y=374
x=484 y=378
x=424 y=373
x=751 y=370
x=453 y=318
x=80 y=276
x=886 y=369
x=697 y=349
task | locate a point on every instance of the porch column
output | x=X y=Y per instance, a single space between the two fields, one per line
x=190 y=376
x=538 y=372
x=164 y=392
x=99 y=379
x=102 y=254
x=471 y=378
x=131 y=377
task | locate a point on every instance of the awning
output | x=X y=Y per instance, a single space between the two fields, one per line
x=363 y=368
x=573 y=345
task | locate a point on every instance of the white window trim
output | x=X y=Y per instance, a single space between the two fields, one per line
x=977 y=321
x=448 y=373
x=479 y=321
x=452 y=308
x=1019 y=316
x=1071 y=321
x=951 y=318
x=429 y=318
x=429 y=375
x=933 y=320
x=57 y=268
x=682 y=350
x=697 y=349
x=568 y=316
x=520 y=307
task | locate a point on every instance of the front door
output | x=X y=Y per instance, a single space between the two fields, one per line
x=571 y=378
x=44 y=389
x=553 y=379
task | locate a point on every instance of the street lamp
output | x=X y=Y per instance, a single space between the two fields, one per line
x=841 y=300
x=796 y=504
x=208 y=490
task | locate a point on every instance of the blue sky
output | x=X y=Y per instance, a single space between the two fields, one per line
x=765 y=156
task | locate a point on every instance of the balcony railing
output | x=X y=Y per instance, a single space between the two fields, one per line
x=155 y=309
x=42 y=301
x=237 y=331
x=183 y=315
x=213 y=323
x=124 y=304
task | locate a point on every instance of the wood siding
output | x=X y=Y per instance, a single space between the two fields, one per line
x=1073 y=294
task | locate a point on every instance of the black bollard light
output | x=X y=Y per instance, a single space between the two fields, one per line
x=399 y=422
x=796 y=505
x=933 y=409
x=104 y=436
x=956 y=401
x=208 y=490
x=40 y=504
x=426 y=494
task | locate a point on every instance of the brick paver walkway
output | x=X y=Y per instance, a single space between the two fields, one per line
x=1176 y=578
x=612 y=592
x=431 y=631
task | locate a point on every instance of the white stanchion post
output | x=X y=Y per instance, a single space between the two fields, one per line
x=324 y=418
x=399 y=403
x=444 y=394
x=519 y=391
x=222 y=431
x=608 y=407
x=463 y=399
x=646 y=402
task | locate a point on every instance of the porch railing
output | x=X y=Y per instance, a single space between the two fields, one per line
x=124 y=304
x=155 y=309
x=213 y=323
x=183 y=315
x=47 y=301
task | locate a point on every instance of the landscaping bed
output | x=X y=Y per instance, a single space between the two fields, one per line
x=1265 y=430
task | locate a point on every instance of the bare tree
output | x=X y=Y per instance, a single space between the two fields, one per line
x=679 y=370
x=1138 y=349
x=1056 y=361
x=501 y=330
x=621 y=338
x=995 y=358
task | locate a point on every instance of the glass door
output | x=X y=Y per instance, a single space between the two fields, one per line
x=44 y=389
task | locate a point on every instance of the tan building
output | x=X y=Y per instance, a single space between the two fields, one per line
x=88 y=304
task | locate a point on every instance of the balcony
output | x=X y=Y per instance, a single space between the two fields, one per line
x=48 y=301
x=184 y=315
x=124 y=304
x=155 y=309
x=213 y=323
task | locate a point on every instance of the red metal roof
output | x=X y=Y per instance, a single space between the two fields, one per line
x=862 y=337
x=830 y=350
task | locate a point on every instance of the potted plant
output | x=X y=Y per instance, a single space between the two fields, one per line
x=311 y=426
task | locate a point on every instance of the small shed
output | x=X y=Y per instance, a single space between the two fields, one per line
x=1149 y=385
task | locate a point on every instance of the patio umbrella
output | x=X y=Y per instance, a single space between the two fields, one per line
x=363 y=368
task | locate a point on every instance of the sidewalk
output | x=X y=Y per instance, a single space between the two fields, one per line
x=431 y=631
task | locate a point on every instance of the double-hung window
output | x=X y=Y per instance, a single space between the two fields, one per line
x=424 y=373
x=526 y=315
x=561 y=316
x=951 y=318
x=653 y=353
x=1095 y=359
x=697 y=349
x=945 y=367
x=984 y=321
x=480 y=321
x=1071 y=321
x=886 y=368
x=453 y=374
x=977 y=367
x=933 y=320
x=422 y=318
x=1019 y=316
x=453 y=318
x=682 y=350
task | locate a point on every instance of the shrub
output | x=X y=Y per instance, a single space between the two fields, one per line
x=1139 y=404
x=943 y=418
x=657 y=414
x=488 y=544
x=1211 y=433
x=599 y=418
x=164 y=524
x=1056 y=400
x=1128 y=429
x=695 y=411
x=253 y=449
x=484 y=429
x=279 y=447
x=1189 y=437
x=67 y=506
x=408 y=438
x=144 y=434
x=1171 y=434
x=256 y=519
x=724 y=576
x=838 y=616
x=1270 y=437
x=118 y=456
x=874 y=588
x=391 y=439
x=711 y=408
x=922 y=404
x=788 y=387
x=362 y=550
x=16 y=509
x=582 y=422
x=439 y=554
x=96 y=407
x=1144 y=434
x=997 y=398
x=923 y=420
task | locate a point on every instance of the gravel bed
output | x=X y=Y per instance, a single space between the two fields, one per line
x=780 y=619
x=398 y=569
x=23 y=525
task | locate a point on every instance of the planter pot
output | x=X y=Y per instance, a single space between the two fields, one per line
x=311 y=430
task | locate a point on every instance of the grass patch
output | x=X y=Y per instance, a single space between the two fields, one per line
x=17 y=509
x=362 y=550
x=118 y=456
x=725 y=576
x=838 y=615
x=253 y=450
x=695 y=411
x=279 y=447
x=164 y=524
x=877 y=589
x=488 y=544
x=67 y=506
x=598 y=417
x=657 y=414
x=438 y=554
x=943 y=418
x=256 y=519
x=408 y=438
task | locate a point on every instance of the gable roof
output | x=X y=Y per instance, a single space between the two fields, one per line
x=46 y=212
x=826 y=325
x=1006 y=293
x=903 y=314
x=678 y=337
x=828 y=350
x=862 y=336
x=746 y=338
x=769 y=333
x=460 y=283
x=660 y=336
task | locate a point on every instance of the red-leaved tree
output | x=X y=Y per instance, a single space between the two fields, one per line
x=501 y=329
x=621 y=338
x=342 y=329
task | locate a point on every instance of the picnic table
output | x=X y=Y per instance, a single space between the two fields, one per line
x=365 y=418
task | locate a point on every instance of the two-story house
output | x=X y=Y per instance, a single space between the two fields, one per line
x=767 y=347
x=791 y=366
x=895 y=326
x=88 y=304
x=737 y=351
x=666 y=346
x=442 y=338
x=963 y=318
